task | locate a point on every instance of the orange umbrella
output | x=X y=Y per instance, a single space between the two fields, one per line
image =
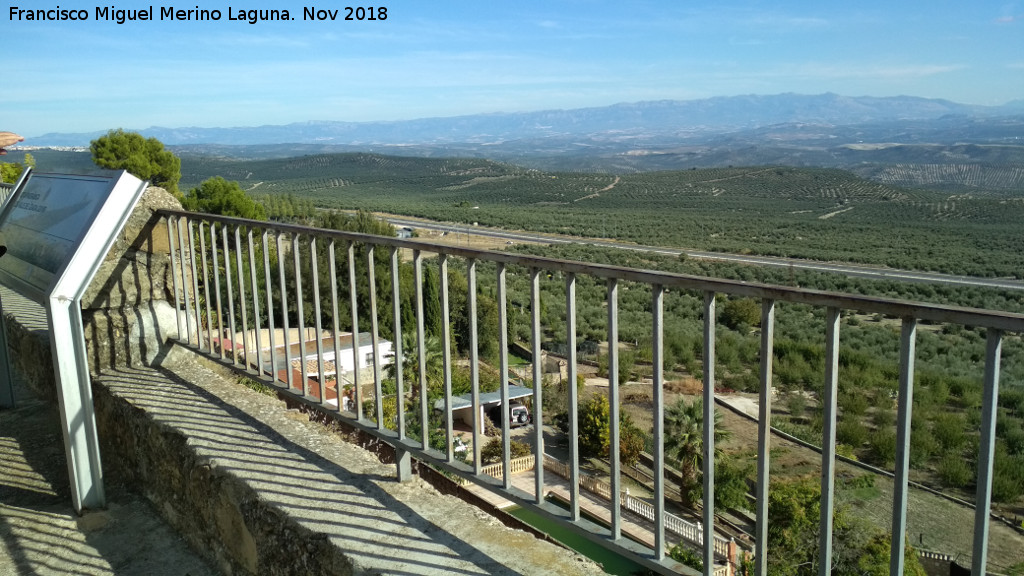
x=8 y=138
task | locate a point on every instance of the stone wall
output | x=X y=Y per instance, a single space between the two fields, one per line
x=127 y=309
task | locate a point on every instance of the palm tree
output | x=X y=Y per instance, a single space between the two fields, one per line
x=684 y=440
x=410 y=361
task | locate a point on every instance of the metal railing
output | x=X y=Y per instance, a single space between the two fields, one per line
x=688 y=531
x=260 y=273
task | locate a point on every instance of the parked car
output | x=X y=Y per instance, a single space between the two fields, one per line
x=519 y=414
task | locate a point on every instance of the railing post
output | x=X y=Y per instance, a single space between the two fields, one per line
x=538 y=385
x=658 y=397
x=332 y=272
x=282 y=287
x=573 y=406
x=206 y=292
x=374 y=336
x=194 y=299
x=216 y=290
x=764 y=433
x=184 y=278
x=231 y=296
x=172 y=222
x=399 y=348
x=446 y=357
x=421 y=348
x=271 y=327
x=906 y=400
x=828 y=445
x=357 y=392
x=300 y=314
x=318 y=321
x=613 y=405
x=986 y=451
x=506 y=414
x=474 y=366
x=709 y=433
x=258 y=327
x=241 y=297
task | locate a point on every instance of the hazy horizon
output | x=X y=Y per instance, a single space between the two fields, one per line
x=448 y=59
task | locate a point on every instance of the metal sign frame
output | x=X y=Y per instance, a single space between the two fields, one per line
x=113 y=199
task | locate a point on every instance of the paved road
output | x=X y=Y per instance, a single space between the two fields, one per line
x=854 y=270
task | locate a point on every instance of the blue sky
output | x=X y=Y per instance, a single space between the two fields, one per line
x=453 y=57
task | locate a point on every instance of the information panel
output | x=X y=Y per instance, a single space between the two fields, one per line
x=44 y=224
x=56 y=229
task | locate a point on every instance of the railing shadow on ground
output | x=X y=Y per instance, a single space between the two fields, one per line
x=294 y=479
x=39 y=532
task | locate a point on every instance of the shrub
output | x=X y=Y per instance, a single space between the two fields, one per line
x=883 y=418
x=1007 y=477
x=740 y=314
x=851 y=432
x=854 y=403
x=684 y=555
x=796 y=403
x=954 y=471
x=491 y=453
x=1015 y=441
x=593 y=418
x=948 y=429
x=922 y=447
x=883 y=447
x=631 y=441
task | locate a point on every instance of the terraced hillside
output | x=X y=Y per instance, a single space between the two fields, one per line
x=826 y=214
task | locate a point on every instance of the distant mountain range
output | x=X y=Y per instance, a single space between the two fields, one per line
x=784 y=129
x=643 y=120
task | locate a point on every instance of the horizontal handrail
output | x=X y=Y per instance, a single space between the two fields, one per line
x=982 y=318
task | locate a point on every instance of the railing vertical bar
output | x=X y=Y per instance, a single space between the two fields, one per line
x=538 y=386
x=332 y=269
x=613 y=407
x=908 y=336
x=270 y=304
x=986 y=451
x=195 y=284
x=474 y=367
x=828 y=446
x=216 y=289
x=357 y=393
x=314 y=264
x=446 y=358
x=231 y=295
x=242 y=298
x=257 y=323
x=206 y=289
x=421 y=348
x=658 y=397
x=764 y=433
x=300 y=314
x=283 y=288
x=506 y=408
x=573 y=404
x=709 y=433
x=184 y=278
x=371 y=272
x=172 y=223
x=396 y=309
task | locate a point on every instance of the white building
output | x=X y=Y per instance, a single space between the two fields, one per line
x=361 y=361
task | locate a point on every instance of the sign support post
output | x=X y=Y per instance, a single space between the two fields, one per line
x=58 y=228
